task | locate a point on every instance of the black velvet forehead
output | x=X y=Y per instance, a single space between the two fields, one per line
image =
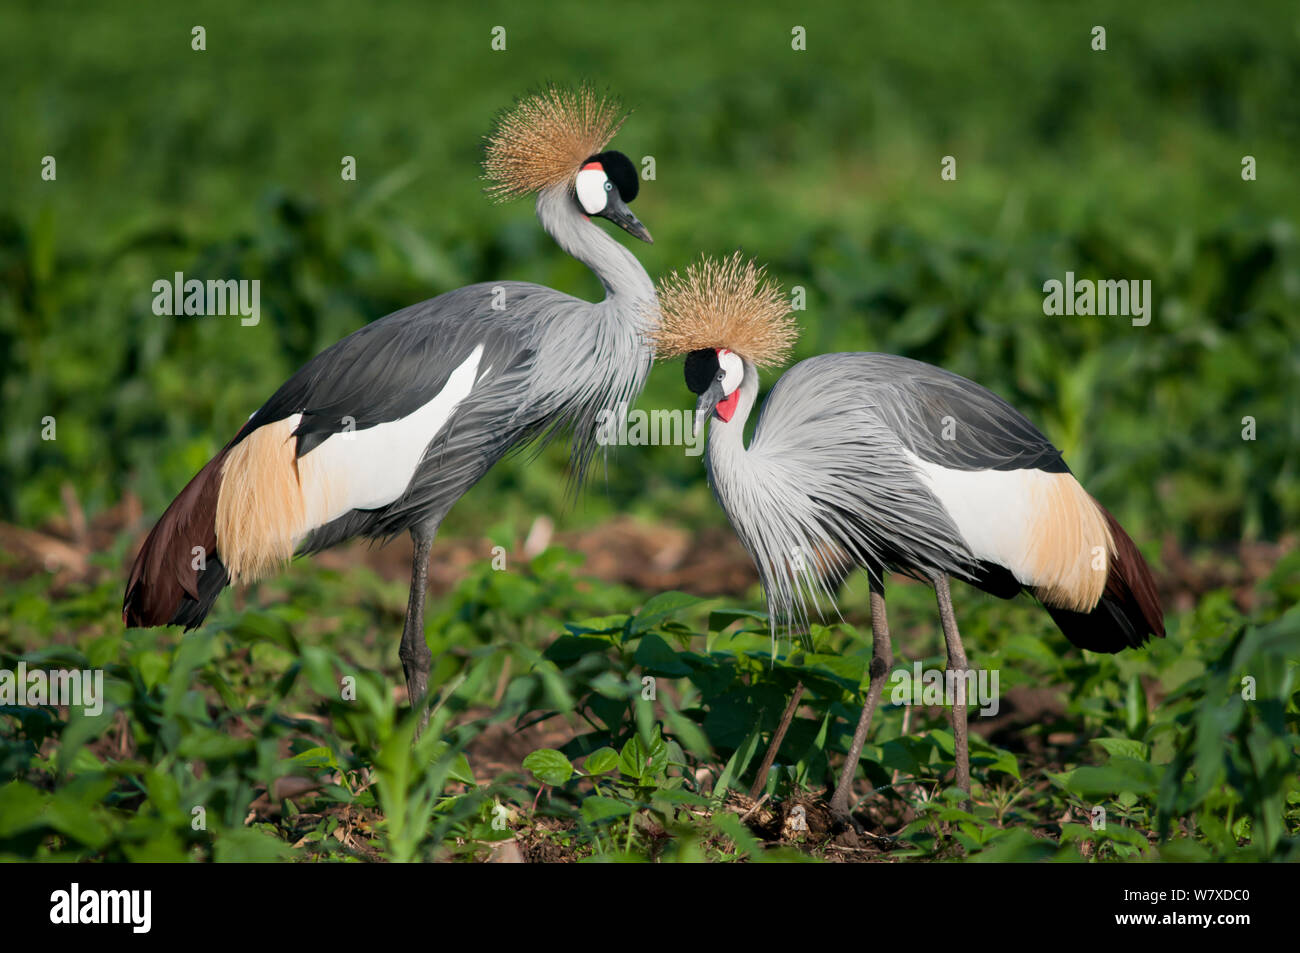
x=621 y=172
x=701 y=369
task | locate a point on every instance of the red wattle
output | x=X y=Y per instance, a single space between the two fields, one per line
x=727 y=406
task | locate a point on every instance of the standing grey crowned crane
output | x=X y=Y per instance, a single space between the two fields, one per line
x=385 y=430
x=848 y=467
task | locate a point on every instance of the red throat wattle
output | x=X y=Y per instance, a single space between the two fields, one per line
x=727 y=406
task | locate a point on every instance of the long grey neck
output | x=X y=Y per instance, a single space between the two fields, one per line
x=727 y=437
x=595 y=359
x=626 y=283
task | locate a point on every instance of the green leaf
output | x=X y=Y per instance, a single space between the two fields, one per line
x=660 y=608
x=1184 y=851
x=163 y=848
x=249 y=844
x=1125 y=747
x=815 y=752
x=549 y=766
x=568 y=648
x=20 y=807
x=74 y=811
x=1135 y=706
x=719 y=619
x=850 y=668
x=1005 y=762
x=1119 y=775
x=604 y=625
x=597 y=808
x=656 y=657
x=686 y=731
x=641 y=762
x=1017 y=846
x=204 y=744
x=153 y=668
x=601 y=761
x=737 y=763
x=459 y=769
x=316 y=758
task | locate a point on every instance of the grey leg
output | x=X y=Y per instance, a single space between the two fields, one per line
x=958 y=667
x=414 y=652
x=882 y=658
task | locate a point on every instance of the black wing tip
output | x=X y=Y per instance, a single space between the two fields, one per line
x=1113 y=626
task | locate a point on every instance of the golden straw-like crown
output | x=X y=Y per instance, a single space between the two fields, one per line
x=729 y=303
x=544 y=138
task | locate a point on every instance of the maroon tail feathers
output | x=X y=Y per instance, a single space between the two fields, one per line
x=164 y=586
x=1129 y=611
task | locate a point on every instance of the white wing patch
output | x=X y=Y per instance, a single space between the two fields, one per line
x=989 y=507
x=1043 y=527
x=370 y=468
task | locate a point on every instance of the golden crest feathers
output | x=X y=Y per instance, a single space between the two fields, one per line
x=725 y=303
x=543 y=139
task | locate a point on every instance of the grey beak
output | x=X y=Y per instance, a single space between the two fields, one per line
x=707 y=402
x=618 y=213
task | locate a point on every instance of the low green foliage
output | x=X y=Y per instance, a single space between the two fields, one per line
x=270 y=734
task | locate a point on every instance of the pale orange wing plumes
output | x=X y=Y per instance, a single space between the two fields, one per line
x=261 y=512
x=543 y=139
x=725 y=303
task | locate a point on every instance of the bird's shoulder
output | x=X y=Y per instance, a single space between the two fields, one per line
x=388 y=368
x=935 y=414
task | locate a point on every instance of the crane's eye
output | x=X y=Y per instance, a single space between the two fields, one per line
x=609 y=186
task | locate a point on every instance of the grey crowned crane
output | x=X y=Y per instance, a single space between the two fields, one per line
x=384 y=431
x=849 y=467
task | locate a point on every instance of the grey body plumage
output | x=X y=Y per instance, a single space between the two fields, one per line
x=432 y=395
x=832 y=480
x=552 y=364
x=890 y=464
x=826 y=485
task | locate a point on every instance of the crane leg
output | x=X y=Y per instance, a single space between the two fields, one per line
x=414 y=652
x=882 y=658
x=957 y=669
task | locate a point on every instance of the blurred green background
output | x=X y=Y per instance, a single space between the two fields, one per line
x=225 y=163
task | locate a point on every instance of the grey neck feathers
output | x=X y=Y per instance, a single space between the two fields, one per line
x=774 y=525
x=810 y=499
x=626 y=283
x=596 y=358
x=750 y=492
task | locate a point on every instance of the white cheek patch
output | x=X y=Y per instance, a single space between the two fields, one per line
x=733 y=370
x=590 y=186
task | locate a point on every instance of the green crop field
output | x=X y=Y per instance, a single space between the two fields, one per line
x=604 y=682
